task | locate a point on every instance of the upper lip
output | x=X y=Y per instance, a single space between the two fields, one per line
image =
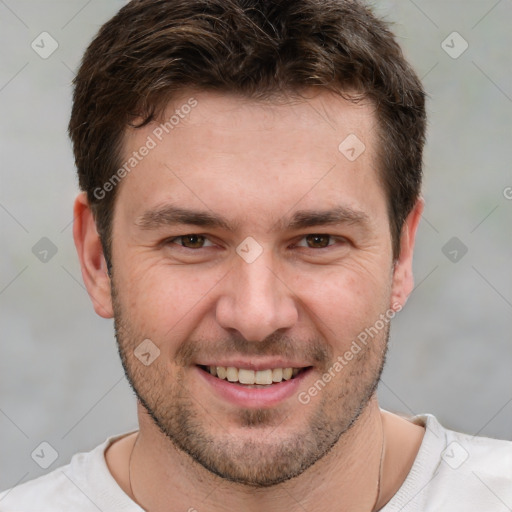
x=255 y=365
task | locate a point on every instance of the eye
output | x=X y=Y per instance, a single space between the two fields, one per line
x=192 y=241
x=317 y=241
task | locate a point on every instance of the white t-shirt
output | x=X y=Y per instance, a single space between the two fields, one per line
x=452 y=472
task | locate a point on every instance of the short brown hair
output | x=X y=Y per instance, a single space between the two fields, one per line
x=152 y=50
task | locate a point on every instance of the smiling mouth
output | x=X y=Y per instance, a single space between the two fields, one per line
x=253 y=378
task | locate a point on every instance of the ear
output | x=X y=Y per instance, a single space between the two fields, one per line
x=92 y=260
x=403 y=281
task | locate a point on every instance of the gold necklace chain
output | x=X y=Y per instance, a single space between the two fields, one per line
x=379 y=490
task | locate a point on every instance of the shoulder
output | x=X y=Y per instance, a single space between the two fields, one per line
x=472 y=453
x=465 y=472
x=455 y=472
x=480 y=467
x=83 y=485
x=48 y=492
x=483 y=452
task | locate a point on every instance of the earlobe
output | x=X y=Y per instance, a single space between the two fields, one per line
x=403 y=280
x=92 y=260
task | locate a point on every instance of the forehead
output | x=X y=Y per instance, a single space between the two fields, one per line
x=240 y=157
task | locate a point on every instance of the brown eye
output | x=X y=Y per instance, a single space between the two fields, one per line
x=318 y=241
x=193 y=241
x=190 y=241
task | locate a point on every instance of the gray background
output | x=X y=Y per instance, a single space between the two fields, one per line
x=60 y=378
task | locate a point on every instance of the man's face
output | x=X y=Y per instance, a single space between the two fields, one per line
x=258 y=292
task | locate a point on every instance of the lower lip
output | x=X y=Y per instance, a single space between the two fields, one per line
x=243 y=396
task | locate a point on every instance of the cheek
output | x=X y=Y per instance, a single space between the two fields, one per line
x=162 y=301
x=343 y=301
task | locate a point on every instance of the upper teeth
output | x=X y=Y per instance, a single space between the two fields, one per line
x=244 y=376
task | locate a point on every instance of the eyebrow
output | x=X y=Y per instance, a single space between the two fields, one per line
x=310 y=218
x=169 y=215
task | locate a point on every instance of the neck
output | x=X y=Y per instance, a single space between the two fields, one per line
x=349 y=475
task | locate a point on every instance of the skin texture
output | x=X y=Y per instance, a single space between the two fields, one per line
x=304 y=300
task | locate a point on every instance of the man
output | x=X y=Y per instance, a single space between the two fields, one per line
x=251 y=178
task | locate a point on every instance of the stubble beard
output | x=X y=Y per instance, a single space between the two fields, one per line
x=265 y=458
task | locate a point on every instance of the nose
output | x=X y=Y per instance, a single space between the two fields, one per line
x=255 y=300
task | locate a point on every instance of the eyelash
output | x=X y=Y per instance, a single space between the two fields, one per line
x=331 y=237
